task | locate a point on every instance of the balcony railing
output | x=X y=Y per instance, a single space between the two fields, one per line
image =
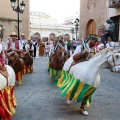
x=114 y=3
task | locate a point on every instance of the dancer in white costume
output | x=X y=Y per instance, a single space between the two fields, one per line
x=83 y=79
x=7 y=83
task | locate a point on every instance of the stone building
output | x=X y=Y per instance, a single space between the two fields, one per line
x=94 y=13
x=42 y=24
x=9 y=19
x=70 y=21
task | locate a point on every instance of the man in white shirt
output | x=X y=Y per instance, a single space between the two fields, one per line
x=13 y=44
x=61 y=43
x=82 y=53
x=29 y=47
x=23 y=40
x=86 y=49
x=110 y=43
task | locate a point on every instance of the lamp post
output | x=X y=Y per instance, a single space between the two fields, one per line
x=19 y=9
x=72 y=31
x=76 y=26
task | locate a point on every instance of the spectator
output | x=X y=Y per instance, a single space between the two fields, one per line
x=74 y=44
x=35 y=44
x=95 y=46
x=100 y=45
x=48 y=46
x=77 y=42
x=38 y=38
x=65 y=41
x=41 y=46
x=68 y=45
x=110 y=43
x=68 y=41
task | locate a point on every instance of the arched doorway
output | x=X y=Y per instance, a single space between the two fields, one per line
x=91 y=27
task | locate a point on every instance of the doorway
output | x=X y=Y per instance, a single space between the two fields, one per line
x=91 y=27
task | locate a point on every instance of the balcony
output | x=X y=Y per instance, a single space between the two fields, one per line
x=114 y=3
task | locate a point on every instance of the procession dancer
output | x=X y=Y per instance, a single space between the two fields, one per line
x=23 y=40
x=83 y=52
x=57 y=59
x=52 y=38
x=7 y=98
x=28 y=47
x=15 y=46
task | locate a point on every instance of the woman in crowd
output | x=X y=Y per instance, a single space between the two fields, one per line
x=48 y=46
x=42 y=47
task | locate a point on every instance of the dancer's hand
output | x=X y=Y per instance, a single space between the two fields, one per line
x=85 y=51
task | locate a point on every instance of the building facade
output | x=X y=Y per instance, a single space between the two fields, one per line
x=70 y=21
x=42 y=24
x=9 y=19
x=94 y=13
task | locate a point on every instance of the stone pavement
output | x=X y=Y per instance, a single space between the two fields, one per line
x=39 y=99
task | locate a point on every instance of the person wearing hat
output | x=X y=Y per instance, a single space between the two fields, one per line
x=28 y=46
x=23 y=40
x=13 y=44
x=86 y=50
x=60 y=43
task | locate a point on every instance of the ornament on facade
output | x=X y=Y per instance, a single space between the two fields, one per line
x=91 y=3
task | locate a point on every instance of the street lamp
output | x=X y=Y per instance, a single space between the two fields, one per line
x=72 y=31
x=19 y=9
x=76 y=26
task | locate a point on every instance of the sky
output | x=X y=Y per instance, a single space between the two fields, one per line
x=59 y=9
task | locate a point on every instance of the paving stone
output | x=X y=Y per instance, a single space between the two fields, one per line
x=39 y=99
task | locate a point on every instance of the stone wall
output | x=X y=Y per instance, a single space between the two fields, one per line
x=8 y=18
x=92 y=10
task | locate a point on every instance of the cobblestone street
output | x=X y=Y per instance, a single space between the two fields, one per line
x=39 y=99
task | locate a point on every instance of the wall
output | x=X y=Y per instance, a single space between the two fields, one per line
x=8 y=18
x=92 y=9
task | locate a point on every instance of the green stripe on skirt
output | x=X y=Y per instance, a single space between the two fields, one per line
x=74 y=89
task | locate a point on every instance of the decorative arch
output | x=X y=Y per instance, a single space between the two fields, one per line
x=37 y=34
x=91 y=27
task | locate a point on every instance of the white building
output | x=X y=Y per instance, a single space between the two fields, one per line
x=42 y=23
x=70 y=21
